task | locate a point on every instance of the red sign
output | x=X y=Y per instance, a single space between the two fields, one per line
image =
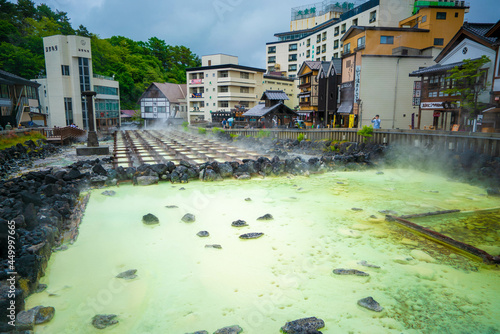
x=196 y=81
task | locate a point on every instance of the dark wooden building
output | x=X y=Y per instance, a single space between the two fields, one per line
x=329 y=78
x=271 y=111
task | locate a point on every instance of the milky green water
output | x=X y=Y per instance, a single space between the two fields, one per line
x=286 y=274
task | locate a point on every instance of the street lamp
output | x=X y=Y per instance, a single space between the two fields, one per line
x=360 y=103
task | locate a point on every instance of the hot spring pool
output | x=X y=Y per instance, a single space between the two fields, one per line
x=285 y=275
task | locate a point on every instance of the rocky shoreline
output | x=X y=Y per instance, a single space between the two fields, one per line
x=47 y=205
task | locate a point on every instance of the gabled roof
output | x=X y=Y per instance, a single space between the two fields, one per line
x=7 y=78
x=337 y=64
x=173 y=92
x=436 y=69
x=261 y=110
x=474 y=31
x=494 y=31
x=364 y=28
x=313 y=65
x=274 y=95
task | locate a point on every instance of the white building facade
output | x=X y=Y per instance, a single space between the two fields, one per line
x=321 y=42
x=221 y=84
x=68 y=64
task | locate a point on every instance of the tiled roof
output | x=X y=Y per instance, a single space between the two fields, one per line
x=274 y=95
x=10 y=79
x=261 y=110
x=480 y=30
x=313 y=65
x=173 y=92
x=337 y=64
x=436 y=68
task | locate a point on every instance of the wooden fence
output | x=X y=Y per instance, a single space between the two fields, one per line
x=484 y=143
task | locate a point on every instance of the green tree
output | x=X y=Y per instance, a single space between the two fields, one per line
x=469 y=81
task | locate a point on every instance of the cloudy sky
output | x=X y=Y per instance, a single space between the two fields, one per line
x=235 y=27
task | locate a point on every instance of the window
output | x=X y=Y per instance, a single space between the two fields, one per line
x=323 y=48
x=244 y=75
x=355 y=22
x=224 y=104
x=336 y=44
x=65 y=69
x=223 y=89
x=324 y=36
x=271 y=49
x=386 y=39
x=292 y=57
x=373 y=16
x=336 y=31
x=441 y=16
x=292 y=47
x=308 y=42
x=347 y=48
x=323 y=58
x=245 y=104
x=223 y=74
x=271 y=60
x=456 y=14
x=361 y=42
x=318 y=38
x=209 y=63
x=343 y=29
x=336 y=55
x=245 y=90
x=424 y=18
x=292 y=67
x=106 y=90
x=68 y=110
x=308 y=53
x=438 y=41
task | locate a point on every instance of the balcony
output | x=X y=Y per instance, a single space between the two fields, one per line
x=235 y=95
x=237 y=81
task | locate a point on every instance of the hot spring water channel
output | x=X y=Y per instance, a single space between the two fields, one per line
x=287 y=274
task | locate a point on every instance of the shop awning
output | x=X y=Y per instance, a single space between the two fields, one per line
x=491 y=110
x=345 y=108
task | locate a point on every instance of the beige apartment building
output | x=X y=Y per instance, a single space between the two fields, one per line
x=68 y=64
x=285 y=84
x=221 y=84
x=315 y=35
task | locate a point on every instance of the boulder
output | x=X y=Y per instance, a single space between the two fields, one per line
x=101 y=321
x=356 y=272
x=150 y=219
x=147 y=180
x=214 y=246
x=199 y=332
x=252 y=235
x=203 y=234
x=229 y=330
x=267 y=216
x=239 y=223
x=109 y=193
x=44 y=314
x=98 y=169
x=370 y=304
x=188 y=218
x=129 y=274
x=304 y=325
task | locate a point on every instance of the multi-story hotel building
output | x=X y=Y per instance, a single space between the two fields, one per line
x=68 y=63
x=316 y=30
x=221 y=84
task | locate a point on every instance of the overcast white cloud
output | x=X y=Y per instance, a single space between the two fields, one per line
x=235 y=27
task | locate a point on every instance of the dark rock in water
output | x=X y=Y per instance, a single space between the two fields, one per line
x=370 y=304
x=373 y=217
x=203 y=234
x=44 y=314
x=252 y=235
x=239 y=223
x=171 y=206
x=213 y=246
x=304 y=325
x=150 y=219
x=60 y=248
x=493 y=192
x=248 y=199
x=340 y=182
x=356 y=209
x=366 y=264
x=98 y=169
x=389 y=212
x=147 y=180
x=182 y=188
x=129 y=274
x=356 y=272
x=40 y=288
x=229 y=330
x=188 y=218
x=199 y=332
x=109 y=193
x=101 y=321
x=380 y=173
x=267 y=216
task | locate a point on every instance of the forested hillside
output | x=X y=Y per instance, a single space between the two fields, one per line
x=134 y=64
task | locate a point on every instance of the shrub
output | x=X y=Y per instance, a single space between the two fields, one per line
x=233 y=135
x=185 y=124
x=263 y=133
x=366 y=132
x=202 y=131
x=300 y=137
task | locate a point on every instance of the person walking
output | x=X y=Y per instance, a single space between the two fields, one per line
x=224 y=122
x=376 y=122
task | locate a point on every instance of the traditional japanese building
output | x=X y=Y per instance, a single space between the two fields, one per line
x=161 y=103
x=271 y=111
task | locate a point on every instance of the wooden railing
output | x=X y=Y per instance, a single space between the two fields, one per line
x=484 y=143
x=63 y=135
